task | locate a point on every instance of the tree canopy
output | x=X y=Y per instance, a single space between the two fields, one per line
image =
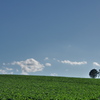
x=93 y=73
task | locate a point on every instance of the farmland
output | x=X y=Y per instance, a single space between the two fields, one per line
x=24 y=87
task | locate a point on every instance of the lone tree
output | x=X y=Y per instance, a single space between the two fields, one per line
x=93 y=73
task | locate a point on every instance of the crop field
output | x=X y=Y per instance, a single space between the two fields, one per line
x=24 y=87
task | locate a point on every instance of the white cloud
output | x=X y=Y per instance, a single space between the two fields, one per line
x=29 y=65
x=54 y=74
x=24 y=73
x=17 y=70
x=54 y=58
x=11 y=73
x=73 y=63
x=96 y=64
x=9 y=69
x=70 y=62
x=47 y=64
x=5 y=72
x=46 y=58
x=4 y=64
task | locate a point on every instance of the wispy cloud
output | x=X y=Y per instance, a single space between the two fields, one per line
x=47 y=64
x=46 y=58
x=17 y=70
x=54 y=74
x=56 y=60
x=29 y=65
x=6 y=71
x=9 y=69
x=4 y=64
x=96 y=64
x=3 y=71
x=73 y=63
x=70 y=62
x=24 y=73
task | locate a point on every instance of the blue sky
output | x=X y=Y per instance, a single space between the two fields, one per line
x=49 y=37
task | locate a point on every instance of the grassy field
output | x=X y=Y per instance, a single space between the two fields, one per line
x=20 y=87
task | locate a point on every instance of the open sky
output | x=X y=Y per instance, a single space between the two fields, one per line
x=49 y=37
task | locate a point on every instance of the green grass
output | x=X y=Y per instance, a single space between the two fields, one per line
x=20 y=87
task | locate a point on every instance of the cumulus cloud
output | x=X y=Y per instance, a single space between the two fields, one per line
x=47 y=64
x=54 y=74
x=29 y=65
x=73 y=63
x=96 y=64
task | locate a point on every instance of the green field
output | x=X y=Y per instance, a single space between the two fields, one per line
x=23 y=87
